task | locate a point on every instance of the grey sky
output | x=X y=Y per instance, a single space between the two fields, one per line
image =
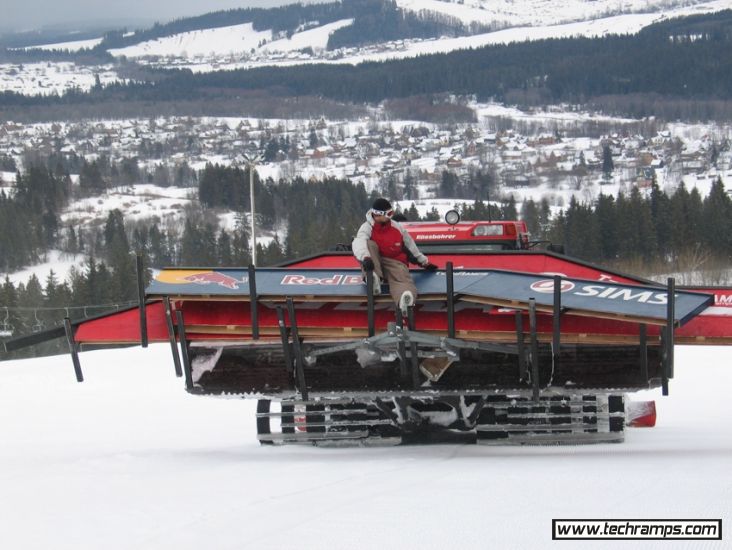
x=20 y=15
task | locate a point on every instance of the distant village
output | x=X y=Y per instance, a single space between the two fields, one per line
x=375 y=152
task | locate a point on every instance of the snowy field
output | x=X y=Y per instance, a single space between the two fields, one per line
x=129 y=460
x=46 y=78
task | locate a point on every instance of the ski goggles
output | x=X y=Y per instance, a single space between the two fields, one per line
x=387 y=213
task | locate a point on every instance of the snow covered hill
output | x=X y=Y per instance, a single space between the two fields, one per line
x=129 y=460
x=509 y=13
x=241 y=46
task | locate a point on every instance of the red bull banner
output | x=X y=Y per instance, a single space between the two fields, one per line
x=603 y=298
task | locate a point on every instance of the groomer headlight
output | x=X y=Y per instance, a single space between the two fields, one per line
x=452 y=217
x=485 y=230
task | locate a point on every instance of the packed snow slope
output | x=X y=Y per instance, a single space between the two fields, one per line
x=129 y=460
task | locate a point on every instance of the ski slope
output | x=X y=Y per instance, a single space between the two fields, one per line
x=129 y=460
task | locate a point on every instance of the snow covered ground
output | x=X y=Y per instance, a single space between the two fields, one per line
x=129 y=460
x=46 y=78
x=73 y=46
x=54 y=260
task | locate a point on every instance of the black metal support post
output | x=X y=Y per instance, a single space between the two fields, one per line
x=285 y=339
x=667 y=362
x=141 y=300
x=671 y=323
x=73 y=349
x=534 y=350
x=450 y=301
x=520 y=345
x=370 y=301
x=299 y=359
x=402 y=348
x=416 y=382
x=556 y=318
x=184 y=350
x=644 y=352
x=253 y=299
x=171 y=336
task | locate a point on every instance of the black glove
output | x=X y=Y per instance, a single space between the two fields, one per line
x=429 y=266
x=368 y=264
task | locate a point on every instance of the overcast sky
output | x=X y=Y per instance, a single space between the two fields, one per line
x=20 y=15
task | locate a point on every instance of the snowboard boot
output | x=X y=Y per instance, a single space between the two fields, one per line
x=405 y=302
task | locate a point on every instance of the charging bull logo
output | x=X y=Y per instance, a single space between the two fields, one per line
x=208 y=277
x=213 y=278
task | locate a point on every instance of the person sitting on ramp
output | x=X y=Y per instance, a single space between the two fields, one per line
x=383 y=246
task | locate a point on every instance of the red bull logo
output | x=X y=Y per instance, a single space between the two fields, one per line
x=298 y=279
x=202 y=277
x=213 y=278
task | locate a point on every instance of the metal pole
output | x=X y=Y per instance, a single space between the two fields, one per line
x=556 y=328
x=141 y=300
x=73 y=349
x=253 y=298
x=523 y=372
x=285 y=339
x=171 y=336
x=188 y=371
x=416 y=381
x=251 y=204
x=668 y=338
x=644 y=352
x=450 y=300
x=370 y=302
x=671 y=324
x=299 y=360
x=534 y=351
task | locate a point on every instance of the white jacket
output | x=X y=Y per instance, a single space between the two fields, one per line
x=360 y=247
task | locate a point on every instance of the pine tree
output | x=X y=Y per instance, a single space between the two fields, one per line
x=530 y=216
x=120 y=261
x=223 y=248
x=581 y=232
x=508 y=209
x=412 y=214
x=717 y=215
x=661 y=216
x=545 y=220
x=448 y=185
x=190 y=246
x=607 y=161
x=10 y=321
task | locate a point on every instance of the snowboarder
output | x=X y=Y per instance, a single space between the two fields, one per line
x=383 y=246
